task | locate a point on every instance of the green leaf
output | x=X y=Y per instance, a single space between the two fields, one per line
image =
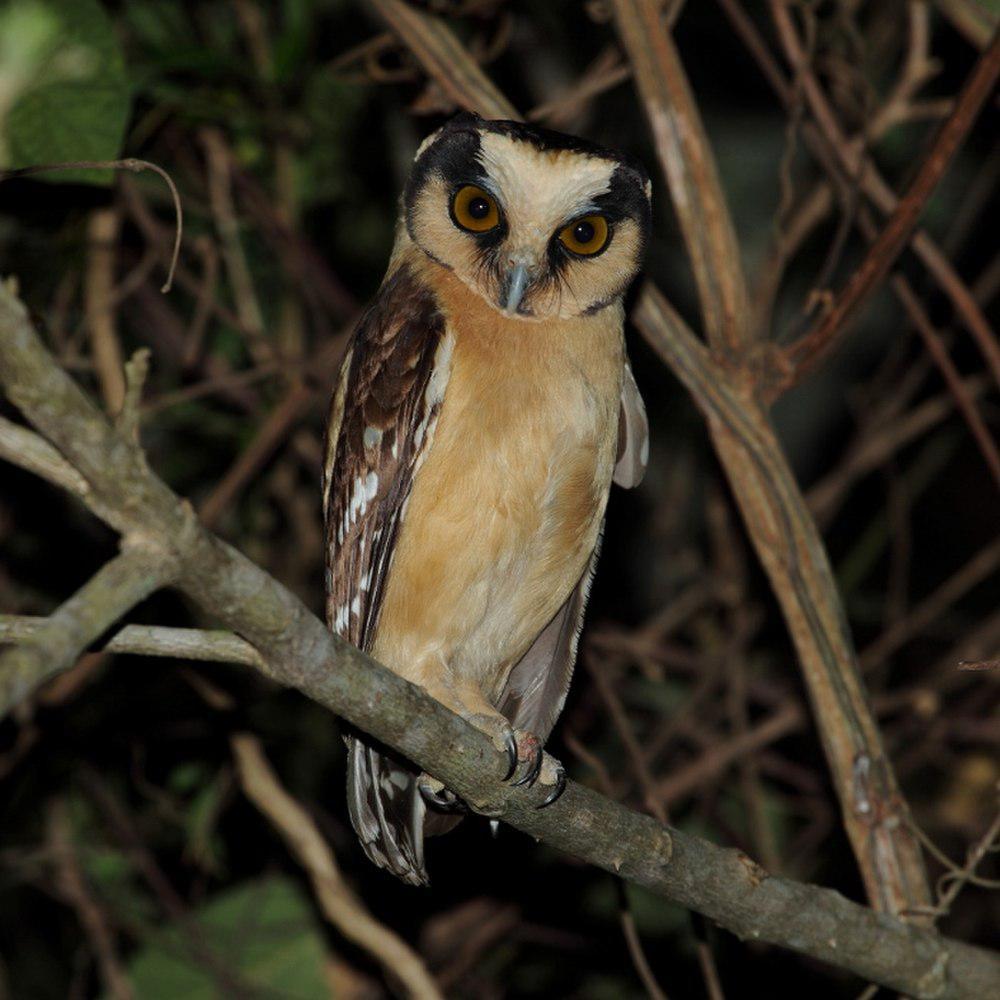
x=260 y=938
x=74 y=102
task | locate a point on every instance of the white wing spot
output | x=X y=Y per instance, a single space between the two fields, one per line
x=357 y=505
x=340 y=620
x=436 y=386
x=371 y=437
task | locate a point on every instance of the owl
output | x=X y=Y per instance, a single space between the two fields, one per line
x=484 y=406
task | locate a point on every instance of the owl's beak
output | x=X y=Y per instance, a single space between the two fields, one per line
x=517 y=281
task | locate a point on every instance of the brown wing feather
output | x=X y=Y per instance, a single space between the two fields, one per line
x=537 y=686
x=384 y=417
x=381 y=424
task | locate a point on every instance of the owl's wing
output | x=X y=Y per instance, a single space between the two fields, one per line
x=633 y=434
x=381 y=424
x=382 y=420
x=537 y=686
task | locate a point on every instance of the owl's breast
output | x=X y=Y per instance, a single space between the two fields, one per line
x=507 y=505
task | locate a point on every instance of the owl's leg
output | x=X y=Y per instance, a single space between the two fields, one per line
x=524 y=749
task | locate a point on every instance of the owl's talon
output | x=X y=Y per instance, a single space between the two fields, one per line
x=510 y=744
x=438 y=797
x=535 y=766
x=559 y=788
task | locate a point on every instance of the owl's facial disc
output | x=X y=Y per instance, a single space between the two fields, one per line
x=538 y=223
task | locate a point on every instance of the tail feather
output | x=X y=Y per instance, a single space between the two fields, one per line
x=387 y=812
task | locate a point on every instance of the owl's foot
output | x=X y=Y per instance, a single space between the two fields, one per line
x=525 y=746
x=438 y=797
x=524 y=754
x=558 y=782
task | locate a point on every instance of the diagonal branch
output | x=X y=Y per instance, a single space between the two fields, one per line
x=339 y=903
x=791 y=551
x=299 y=651
x=689 y=167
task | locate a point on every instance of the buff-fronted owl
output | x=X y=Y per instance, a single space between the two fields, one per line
x=485 y=404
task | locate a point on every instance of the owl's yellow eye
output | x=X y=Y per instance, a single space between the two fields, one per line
x=474 y=209
x=585 y=236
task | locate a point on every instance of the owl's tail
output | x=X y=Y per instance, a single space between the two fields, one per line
x=389 y=813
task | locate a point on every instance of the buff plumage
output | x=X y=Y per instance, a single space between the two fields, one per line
x=483 y=408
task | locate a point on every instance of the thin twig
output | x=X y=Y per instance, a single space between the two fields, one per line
x=980 y=567
x=150 y=640
x=635 y=949
x=98 y=284
x=807 y=352
x=73 y=886
x=339 y=904
x=136 y=167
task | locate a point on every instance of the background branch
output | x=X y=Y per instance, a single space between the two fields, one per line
x=339 y=903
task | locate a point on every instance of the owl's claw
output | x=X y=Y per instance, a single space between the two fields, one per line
x=510 y=744
x=525 y=749
x=534 y=766
x=560 y=787
x=438 y=797
x=529 y=750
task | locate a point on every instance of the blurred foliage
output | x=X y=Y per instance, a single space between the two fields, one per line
x=198 y=893
x=260 y=938
x=63 y=81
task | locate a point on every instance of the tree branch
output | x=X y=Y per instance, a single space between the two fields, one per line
x=689 y=168
x=23 y=447
x=150 y=640
x=340 y=905
x=791 y=551
x=118 y=586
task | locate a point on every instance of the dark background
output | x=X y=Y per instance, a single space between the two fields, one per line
x=129 y=758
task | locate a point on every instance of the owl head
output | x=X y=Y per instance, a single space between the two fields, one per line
x=538 y=223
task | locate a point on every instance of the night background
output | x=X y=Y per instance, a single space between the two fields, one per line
x=132 y=862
